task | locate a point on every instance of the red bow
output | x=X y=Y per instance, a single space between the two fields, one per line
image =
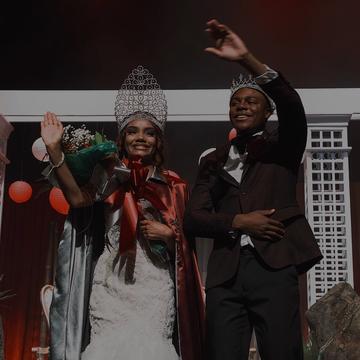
x=139 y=188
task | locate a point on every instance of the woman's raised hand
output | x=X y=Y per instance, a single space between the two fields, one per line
x=51 y=130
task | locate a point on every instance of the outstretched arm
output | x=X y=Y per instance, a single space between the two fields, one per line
x=292 y=121
x=51 y=133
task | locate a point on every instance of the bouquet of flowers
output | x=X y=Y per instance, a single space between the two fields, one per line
x=84 y=150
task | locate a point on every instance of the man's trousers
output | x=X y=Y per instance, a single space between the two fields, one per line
x=258 y=298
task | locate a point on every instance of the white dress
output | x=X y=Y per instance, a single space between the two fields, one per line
x=132 y=306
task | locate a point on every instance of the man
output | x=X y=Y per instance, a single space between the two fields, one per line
x=245 y=198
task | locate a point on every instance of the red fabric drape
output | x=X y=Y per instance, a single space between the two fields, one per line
x=170 y=199
x=24 y=247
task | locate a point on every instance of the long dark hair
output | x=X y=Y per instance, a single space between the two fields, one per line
x=158 y=156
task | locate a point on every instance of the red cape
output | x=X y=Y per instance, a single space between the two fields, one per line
x=189 y=292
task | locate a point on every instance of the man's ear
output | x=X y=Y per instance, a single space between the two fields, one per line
x=268 y=113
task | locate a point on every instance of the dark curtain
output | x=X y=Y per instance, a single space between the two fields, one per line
x=26 y=259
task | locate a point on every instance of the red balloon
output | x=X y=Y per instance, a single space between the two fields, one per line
x=58 y=202
x=232 y=134
x=20 y=192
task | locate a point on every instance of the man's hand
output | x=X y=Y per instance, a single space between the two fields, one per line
x=228 y=45
x=259 y=224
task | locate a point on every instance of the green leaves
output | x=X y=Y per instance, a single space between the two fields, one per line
x=99 y=138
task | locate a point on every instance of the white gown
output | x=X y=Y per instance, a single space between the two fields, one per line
x=132 y=306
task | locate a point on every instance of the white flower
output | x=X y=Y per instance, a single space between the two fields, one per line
x=74 y=140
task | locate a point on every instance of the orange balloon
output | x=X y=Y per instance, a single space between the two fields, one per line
x=232 y=134
x=58 y=202
x=20 y=192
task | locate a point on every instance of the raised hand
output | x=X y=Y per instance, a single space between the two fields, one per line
x=51 y=133
x=228 y=45
x=259 y=224
x=51 y=130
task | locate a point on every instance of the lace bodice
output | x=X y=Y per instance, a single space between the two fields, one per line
x=132 y=297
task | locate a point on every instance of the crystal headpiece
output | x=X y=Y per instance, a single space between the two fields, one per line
x=249 y=82
x=140 y=95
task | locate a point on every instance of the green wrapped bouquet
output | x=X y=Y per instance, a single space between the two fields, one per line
x=83 y=151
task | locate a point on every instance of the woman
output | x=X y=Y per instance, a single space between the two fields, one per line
x=146 y=300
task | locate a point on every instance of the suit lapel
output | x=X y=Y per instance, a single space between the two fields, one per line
x=225 y=175
x=221 y=158
x=250 y=161
x=246 y=168
x=228 y=178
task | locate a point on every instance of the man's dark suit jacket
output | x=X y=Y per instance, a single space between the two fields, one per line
x=268 y=182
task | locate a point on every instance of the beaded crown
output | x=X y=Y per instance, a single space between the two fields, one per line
x=140 y=96
x=249 y=82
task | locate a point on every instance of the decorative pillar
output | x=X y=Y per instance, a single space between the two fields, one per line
x=5 y=129
x=327 y=205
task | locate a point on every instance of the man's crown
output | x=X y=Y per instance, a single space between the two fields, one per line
x=249 y=82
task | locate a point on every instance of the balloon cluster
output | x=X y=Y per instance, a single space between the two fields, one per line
x=20 y=191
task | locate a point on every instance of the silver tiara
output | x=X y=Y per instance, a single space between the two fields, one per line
x=249 y=82
x=140 y=95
